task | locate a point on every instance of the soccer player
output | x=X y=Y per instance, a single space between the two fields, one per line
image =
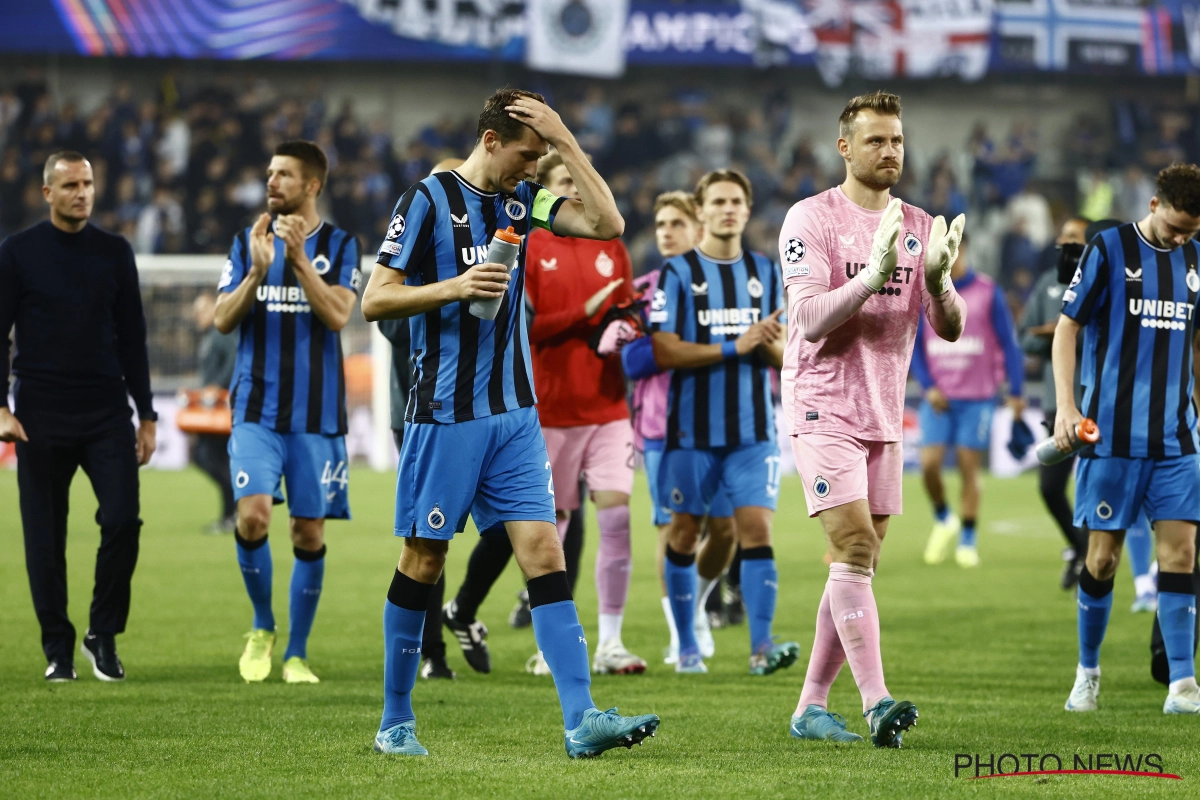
x=472 y=442
x=960 y=381
x=571 y=282
x=676 y=231
x=1038 y=322
x=1134 y=298
x=289 y=286
x=715 y=322
x=433 y=646
x=859 y=266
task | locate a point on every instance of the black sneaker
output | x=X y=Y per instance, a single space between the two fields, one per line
x=101 y=650
x=732 y=606
x=435 y=668
x=60 y=671
x=521 y=616
x=472 y=638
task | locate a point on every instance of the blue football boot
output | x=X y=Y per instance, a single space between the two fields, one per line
x=818 y=723
x=603 y=730
x=400 y=740
x=889 y=720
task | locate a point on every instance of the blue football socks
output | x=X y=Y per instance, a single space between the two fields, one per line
x=760 y=586
x=1095 y=604
x=1177 y=618
x=403 y=626
x=680 y=572
x=966 y=536
x=308 y=573
x=254 y=558
x=560 y=638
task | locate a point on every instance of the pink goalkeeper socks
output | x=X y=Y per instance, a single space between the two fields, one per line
x=826 y=659
x=614 y=559
x=852 y=605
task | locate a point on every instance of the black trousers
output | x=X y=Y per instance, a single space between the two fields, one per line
x=211 y=454
x=44 y=473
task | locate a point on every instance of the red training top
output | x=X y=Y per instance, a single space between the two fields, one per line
x=574 y=385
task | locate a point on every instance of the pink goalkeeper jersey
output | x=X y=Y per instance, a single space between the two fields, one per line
x=852 y=380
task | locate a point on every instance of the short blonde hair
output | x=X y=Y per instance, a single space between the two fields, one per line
x=724 y=176
x=681 y=201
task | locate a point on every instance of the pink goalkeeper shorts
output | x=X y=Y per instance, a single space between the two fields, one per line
x=839 y=469
x=602 y=454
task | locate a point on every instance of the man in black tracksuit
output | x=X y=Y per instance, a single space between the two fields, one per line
x=71 y=289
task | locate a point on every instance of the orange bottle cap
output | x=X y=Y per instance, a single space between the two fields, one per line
x=1087 y=431
x=509 y=236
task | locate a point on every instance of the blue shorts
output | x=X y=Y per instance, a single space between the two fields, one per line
x=967 y=423
x=1110 y=493
x=690 y=480
x=495 y=469
x=661 y=515
x=313 y=465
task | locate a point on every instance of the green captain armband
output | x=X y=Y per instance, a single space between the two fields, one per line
x=545 y=208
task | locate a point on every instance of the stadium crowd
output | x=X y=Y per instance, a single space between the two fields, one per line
x=180 y=170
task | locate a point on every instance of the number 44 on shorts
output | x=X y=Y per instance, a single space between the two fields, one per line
x=331 y=475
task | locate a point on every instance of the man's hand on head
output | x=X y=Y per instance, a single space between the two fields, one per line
x=544 y=120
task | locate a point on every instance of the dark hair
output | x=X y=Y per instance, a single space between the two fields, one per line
x=879 y=101
x=1179 y=187
x=313 y=163
x=70 y=156
x=495 y=118
x=724 y=176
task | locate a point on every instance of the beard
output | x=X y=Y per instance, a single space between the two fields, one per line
x=874 y=179
x=284 y=206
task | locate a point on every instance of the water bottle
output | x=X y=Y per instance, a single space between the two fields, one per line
x=1086 y=433
x=505 y=247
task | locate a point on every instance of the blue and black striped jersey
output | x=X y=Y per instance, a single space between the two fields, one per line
x=727 y=404
x=1137 y=305
x=288 y=374
x=464 y=367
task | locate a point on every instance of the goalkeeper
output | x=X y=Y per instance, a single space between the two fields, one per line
x=858 y=265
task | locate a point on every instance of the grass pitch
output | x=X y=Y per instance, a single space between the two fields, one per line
x=988 y=655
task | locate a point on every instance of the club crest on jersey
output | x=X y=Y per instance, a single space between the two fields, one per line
x=912 y=245
x=321 y=264
x=793 y=251
x=605 y=264
x=436 y=519
x=1104 y=510
x=820 y=487
x=1193 y=280
x=514 y=208
x=396 y=227
x=754 y=287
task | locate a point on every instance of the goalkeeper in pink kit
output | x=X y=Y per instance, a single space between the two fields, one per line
x=858 y=267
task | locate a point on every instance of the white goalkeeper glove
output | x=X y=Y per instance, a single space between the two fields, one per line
x=941 y=253
x=883 y=250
